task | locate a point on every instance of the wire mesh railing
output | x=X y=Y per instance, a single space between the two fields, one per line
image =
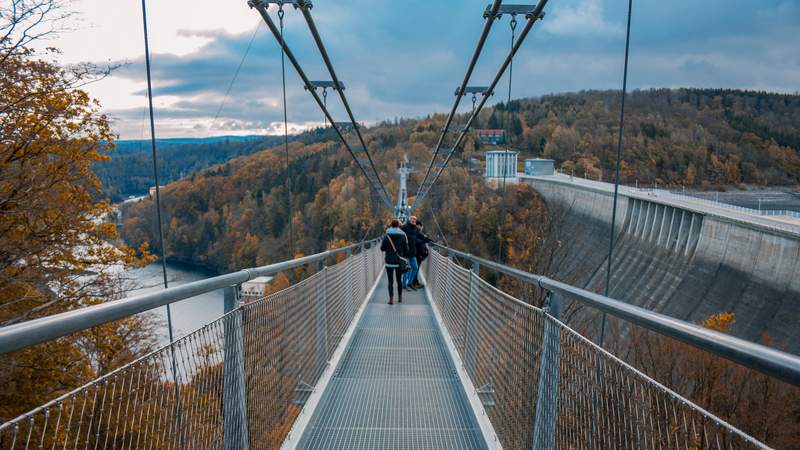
x=238 y=382
x=543 y=385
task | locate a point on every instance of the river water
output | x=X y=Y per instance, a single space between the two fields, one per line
x=187 y=315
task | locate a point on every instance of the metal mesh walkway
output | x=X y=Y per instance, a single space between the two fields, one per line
x=396 y=386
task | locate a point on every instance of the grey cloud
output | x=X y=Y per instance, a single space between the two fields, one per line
x=406 y=58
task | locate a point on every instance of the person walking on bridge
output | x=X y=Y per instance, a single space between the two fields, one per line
x=411 y=230
x=395 y=245
x=421 y=253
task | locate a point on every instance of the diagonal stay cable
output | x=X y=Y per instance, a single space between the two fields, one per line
x=305 y=7
x=178 y=406
x=487 y=26
x=286 y=142
x=532 y=17
x=502 y=220
x=441 y=232
x=616 y=169
x=233 y=80
x=601 y=337
x=261 y=7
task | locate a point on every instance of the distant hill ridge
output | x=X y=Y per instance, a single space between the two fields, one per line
x=692 y=137
x=135 y=145
x=130 y=170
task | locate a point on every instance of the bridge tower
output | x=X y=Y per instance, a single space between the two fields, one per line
x=402 y=208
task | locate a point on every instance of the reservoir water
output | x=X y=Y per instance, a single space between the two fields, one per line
x=187 y=315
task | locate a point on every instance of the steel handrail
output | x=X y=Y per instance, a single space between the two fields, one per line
x=769 y=361
x=36 y=331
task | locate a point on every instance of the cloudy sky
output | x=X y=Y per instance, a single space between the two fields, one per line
x=404 y=58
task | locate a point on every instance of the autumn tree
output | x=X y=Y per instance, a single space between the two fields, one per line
x=58 y=244
x=52 y=229
x=759 y=405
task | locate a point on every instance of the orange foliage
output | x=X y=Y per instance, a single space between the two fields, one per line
x=757 y=404
x=53 y=231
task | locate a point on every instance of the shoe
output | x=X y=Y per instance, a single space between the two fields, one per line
x=399 y=300
x=419 y=286
x=391 y=302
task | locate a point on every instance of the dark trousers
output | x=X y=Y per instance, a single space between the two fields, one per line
x=420 y=258
x=394 y=273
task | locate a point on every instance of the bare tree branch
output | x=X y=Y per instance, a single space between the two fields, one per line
x=27 y=21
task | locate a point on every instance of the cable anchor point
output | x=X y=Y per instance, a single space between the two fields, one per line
x=530 y=15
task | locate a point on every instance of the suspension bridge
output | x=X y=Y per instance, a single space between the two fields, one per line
x=326 y=363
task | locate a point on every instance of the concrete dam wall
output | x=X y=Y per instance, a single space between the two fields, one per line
x=679 y=257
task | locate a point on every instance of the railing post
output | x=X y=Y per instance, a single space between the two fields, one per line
x=366 y=274
x=235 y=426
x=322 y=320
x=367 y=266
x=447 y=297
x=472 y=304
x=544 y=425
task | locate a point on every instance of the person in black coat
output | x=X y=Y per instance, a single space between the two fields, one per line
x=410 y=229
x=421 y=249
x=396 y=247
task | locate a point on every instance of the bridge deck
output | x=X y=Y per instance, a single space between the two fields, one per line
x=396 y=386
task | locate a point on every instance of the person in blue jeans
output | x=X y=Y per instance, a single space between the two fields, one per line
x=411 y=230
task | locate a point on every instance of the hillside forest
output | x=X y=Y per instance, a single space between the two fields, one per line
x=130 y=171
x=237 y=214
x=673 y=137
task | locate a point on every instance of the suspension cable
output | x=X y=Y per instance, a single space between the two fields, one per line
x=325 y=101
x=502 y=220
x=490 y=16
x=158 y=219
x=233 y=80
x=513 y=25
x=616 y=169
x=305 y=8
x=377 y=185
x=532 y=17
x=369 y=227
x=286 y=141
x=441 y=232
x=601 y=336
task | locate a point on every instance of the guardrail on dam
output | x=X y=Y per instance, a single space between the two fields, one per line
x=679 y=257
